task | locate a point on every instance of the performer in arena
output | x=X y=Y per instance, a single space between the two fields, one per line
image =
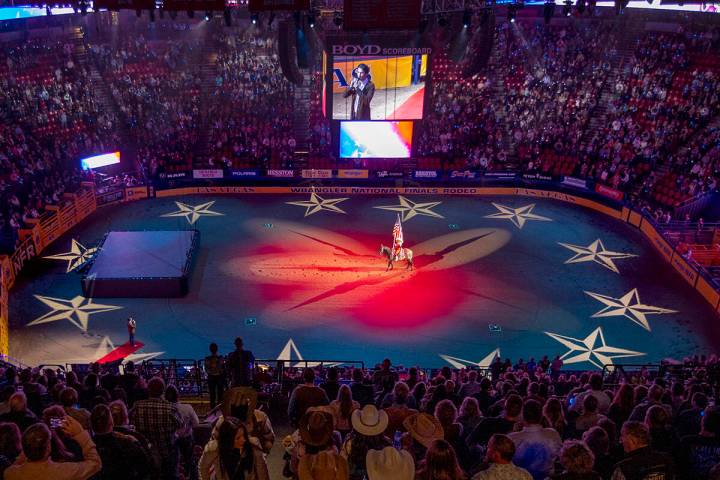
x=362 y=90
x=397 y=240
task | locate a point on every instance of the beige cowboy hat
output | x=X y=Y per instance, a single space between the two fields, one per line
x=316 y=428
x=369 y=421
x=323 y=466
x=390 y=464
x=238 y=396
x=424 y=428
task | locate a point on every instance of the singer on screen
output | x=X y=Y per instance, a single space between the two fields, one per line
x=362 y=90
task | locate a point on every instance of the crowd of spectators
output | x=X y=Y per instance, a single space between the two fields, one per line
x=49 y=118
x=157 y=90
x=523 y=420
x=251 y=106
x=552 y=78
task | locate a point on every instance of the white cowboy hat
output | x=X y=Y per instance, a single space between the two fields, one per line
x=369 y=421
x=389 y=464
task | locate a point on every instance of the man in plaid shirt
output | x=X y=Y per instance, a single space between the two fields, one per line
x=158 y=420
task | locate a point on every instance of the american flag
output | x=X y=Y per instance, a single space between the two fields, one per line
x=397 y=232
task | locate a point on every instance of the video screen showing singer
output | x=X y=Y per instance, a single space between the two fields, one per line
x=362 y=90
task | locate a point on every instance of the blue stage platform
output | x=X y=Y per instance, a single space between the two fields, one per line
x=142 y=264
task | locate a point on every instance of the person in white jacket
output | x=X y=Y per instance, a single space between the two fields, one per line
x=234 y=454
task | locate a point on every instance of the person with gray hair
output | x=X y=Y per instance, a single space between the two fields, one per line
x=35 y=461
x=577 y=460
x=499 y=456
x=641 y=461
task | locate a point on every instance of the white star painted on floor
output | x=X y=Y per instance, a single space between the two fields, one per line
x=77 y=255
x=596 y=252
x=587 y=350
x=518 y=216
x=627 y=306
x=317 y=204
x=409 y=209
x=461 y=363
x=290 y=350
x=193 y=212
x=77 y=310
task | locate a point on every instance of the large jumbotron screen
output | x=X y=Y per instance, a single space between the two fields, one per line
x=376 y=139
x=399 y=86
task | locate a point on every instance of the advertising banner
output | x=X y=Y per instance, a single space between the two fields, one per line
x=111 y=196
x=426 y=174
x=174 y=175
x=24 y=252
x=574 y=182
x=352 y=173
x=135 y=193
x=281 y=173
x=317 y=173
x=609 y=192
x=687 y=271
x=537 y=176
x=245 y=173
x=388 y=174
x=463 y=174
x=207 y=173
x=707 y=291
x=635 y=218
x=500 y=175
x=658 y=242
x=4 y=286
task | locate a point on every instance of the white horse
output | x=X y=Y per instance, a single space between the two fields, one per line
x=387 y=252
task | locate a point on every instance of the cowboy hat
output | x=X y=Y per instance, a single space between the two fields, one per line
x=390 y=464
x=316 y=428
x=323 y=466
x=424 y=428
x=369 y=421
x=239 y=397
x=325 y=409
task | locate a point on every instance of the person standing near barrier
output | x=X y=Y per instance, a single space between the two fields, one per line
x=241 y=363
x=215 y=370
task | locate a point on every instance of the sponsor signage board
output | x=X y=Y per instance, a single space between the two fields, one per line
x=463 y=174
x=207 y=173
x=352 y=173
x=316 y=173
x=609 y=192
x=574 y=182
x=245 y=173
x=281 y=173
x=426 y=174
x=388 y=174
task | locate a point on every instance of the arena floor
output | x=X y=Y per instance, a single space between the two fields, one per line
x=300 y=275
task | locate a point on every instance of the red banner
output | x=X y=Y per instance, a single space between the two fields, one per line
x=609 y=192
x=263 y=5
